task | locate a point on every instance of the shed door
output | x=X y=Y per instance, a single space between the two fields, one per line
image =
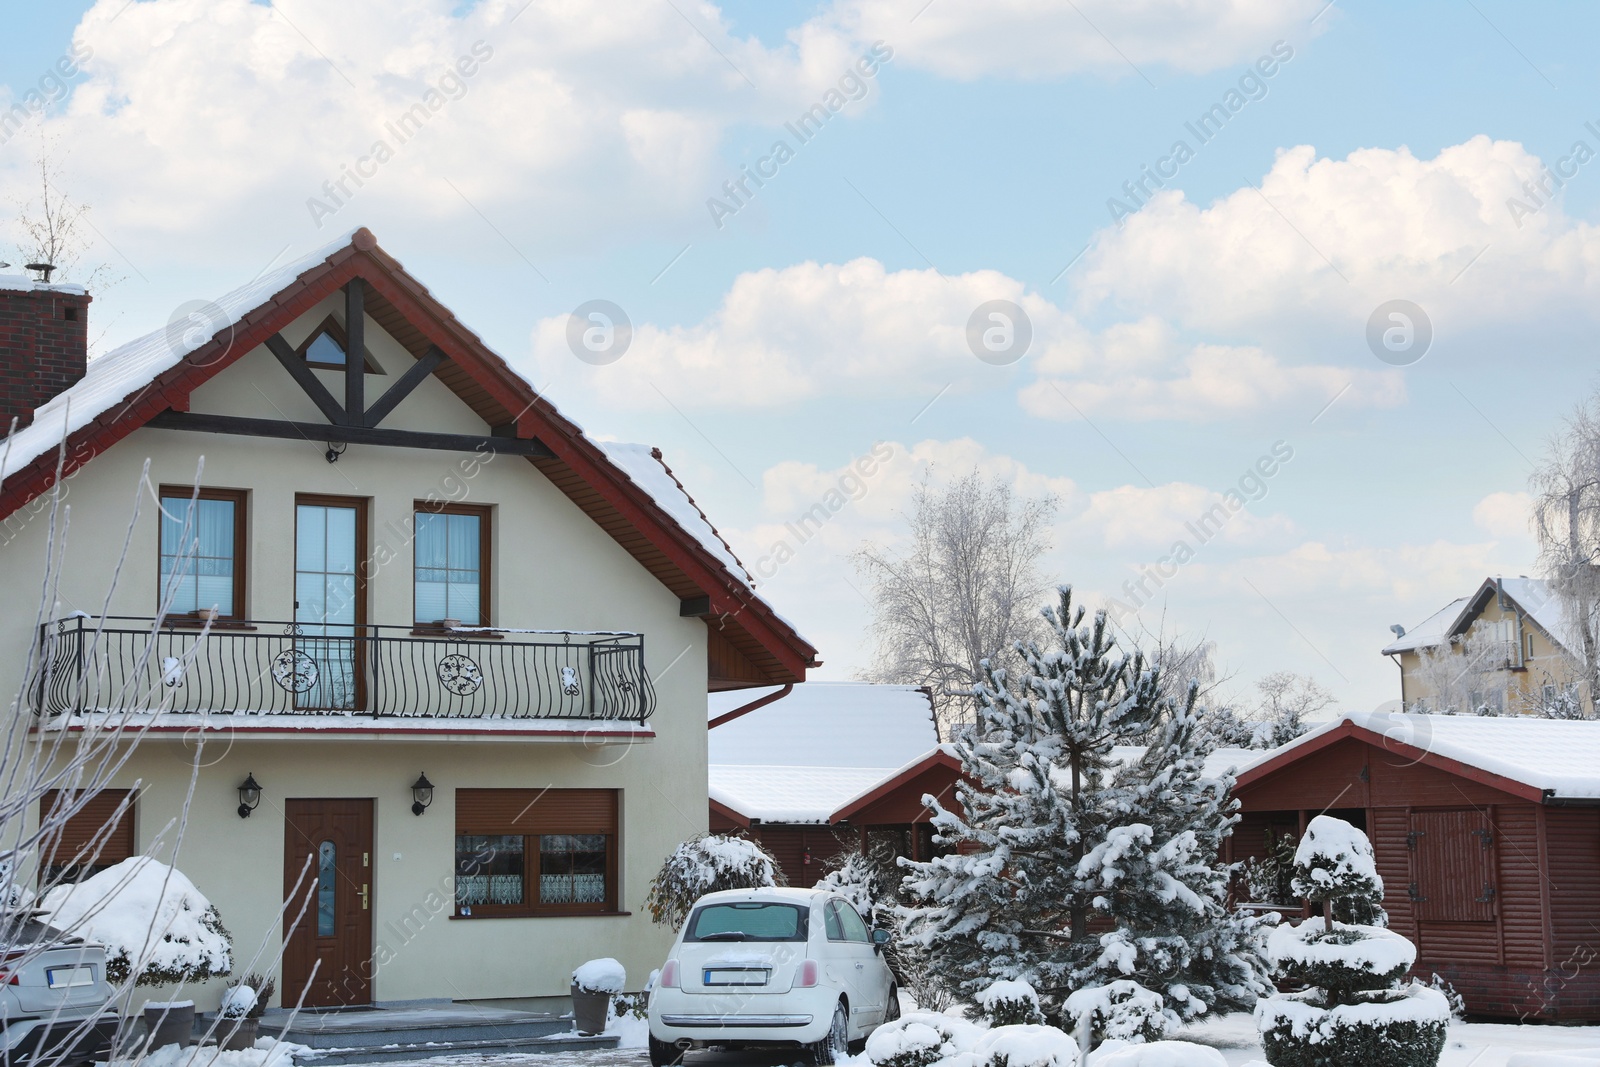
x=1453 y=864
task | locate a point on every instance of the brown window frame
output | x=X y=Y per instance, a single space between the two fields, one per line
x=118 y=845
x=334 y=329
x=241 y=541
x=485 y=514
x=531 y=824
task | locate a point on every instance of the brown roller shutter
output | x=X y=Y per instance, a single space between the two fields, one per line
x=76 y=845
x=536 y=811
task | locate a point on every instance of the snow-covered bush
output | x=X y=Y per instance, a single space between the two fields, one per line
x=707 y=864
x=1457 y=1002
x=1121 y=1011
x=920 y=1039
x=247 y=998
x=1055 y=840
x=1355 y=1011
x=600 y=976
x=1010 y=1003
x=868 y=881
x=1270 y=879
x=153 y=921
x=1025 y=1045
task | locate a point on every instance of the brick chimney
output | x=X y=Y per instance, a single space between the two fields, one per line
x=44 y=344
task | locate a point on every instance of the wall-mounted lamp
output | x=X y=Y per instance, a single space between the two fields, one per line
x=249 y=795
x=421 y=794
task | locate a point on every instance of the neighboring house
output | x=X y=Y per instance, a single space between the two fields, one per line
x=1487 y=836
x=413 y=566
x=1508 y=648
x=814 y=770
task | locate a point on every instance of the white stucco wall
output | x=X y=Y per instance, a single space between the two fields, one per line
x=553 y=569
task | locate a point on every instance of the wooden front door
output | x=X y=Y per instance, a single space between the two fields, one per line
x=327 y=954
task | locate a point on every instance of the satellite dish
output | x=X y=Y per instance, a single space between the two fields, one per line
x=1398 y=630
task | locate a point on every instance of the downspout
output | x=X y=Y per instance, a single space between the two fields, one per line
x=1397 y=663
x=745 y=709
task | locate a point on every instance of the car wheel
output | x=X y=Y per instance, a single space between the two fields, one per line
x=664 y=1054
x=835 y=1044
x=891 y=1007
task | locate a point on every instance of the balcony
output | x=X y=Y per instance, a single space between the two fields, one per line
x=148 y=665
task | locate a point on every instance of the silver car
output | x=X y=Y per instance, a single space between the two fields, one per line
x=55 y=1002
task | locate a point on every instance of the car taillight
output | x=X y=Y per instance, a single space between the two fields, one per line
x=10 y=967
x=669 y=975
x=808 y=974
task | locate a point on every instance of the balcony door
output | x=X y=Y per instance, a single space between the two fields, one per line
x=330 y=538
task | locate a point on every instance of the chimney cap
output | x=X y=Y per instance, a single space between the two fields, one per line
x=44 y=269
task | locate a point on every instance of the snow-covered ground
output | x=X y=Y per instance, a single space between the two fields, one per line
x=1469 y=1045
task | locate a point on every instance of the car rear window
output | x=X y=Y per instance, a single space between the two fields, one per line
x=748 y=921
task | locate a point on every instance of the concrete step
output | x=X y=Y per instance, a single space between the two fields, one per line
x=565 y=1042
x=389 y=1028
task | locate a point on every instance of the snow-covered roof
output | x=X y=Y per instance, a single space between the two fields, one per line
x=806 y=755
x=826 y=724
x=1533 y=595
x=645 y=468
x=126 y=369
x=1220 y=761
x=1560 y=757
x=22 y=283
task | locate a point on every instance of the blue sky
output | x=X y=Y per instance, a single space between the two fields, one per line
x=827 y=313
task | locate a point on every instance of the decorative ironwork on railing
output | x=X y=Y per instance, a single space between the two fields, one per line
x=127 y=663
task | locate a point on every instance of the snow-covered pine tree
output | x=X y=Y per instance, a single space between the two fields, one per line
x=1068 y=872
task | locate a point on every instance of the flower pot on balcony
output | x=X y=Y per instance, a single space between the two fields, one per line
x=589 y=1010
x=169 y=1023
x=236 y=1035
x=208 y=614
x=448 y=624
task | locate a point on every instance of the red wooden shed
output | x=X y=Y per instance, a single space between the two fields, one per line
x=1486 y=833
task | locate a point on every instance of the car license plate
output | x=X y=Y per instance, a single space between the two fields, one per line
x=736 y=976
x=67 y=977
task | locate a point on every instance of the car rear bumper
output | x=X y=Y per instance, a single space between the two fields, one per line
x=796 y=1017
x=58 y=1041
x=735 y=1022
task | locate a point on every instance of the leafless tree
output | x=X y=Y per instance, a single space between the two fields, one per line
x=1462 y=675
x=965 y=587
x=1566 y=521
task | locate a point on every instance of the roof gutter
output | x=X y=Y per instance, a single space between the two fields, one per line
x=745 y=709
x=1553 y=801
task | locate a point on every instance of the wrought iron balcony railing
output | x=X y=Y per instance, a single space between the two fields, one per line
x=124 y=663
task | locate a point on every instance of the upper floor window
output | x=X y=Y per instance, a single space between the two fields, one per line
x=202 y=551
x=452 y=564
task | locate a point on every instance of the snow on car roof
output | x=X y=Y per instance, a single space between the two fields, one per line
x=1560 y=757
x=777 y=894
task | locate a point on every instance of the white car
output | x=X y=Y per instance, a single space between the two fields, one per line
x=771 y=967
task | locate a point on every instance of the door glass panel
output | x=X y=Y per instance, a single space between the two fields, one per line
x=325 y=602
x=325 y=890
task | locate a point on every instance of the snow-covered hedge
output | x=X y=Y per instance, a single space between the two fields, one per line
x=1382 y=1028
x=1121 y=1011
x=151 y=919
x=1010 y=1003
x=707 y=864
x=920 y=1039
x=1025 y=1046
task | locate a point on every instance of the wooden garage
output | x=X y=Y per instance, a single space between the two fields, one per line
x=1487 y=836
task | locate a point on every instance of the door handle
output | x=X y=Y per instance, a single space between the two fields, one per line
x=364 y=898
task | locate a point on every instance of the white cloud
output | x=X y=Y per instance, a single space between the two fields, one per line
x=195 y=114
x=1038 y=39
x=1506 y=516
x=1151 y=519
x=1325 y=241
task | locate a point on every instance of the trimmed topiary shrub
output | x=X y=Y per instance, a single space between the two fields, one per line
x=1121 y=1011
x=1355 y=1011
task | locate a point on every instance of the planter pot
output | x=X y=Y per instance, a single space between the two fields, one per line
x=235 y=1035
x=589 y=1010
x=169 y=1024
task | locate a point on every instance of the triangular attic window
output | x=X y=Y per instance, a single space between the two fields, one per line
x=326 y=347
